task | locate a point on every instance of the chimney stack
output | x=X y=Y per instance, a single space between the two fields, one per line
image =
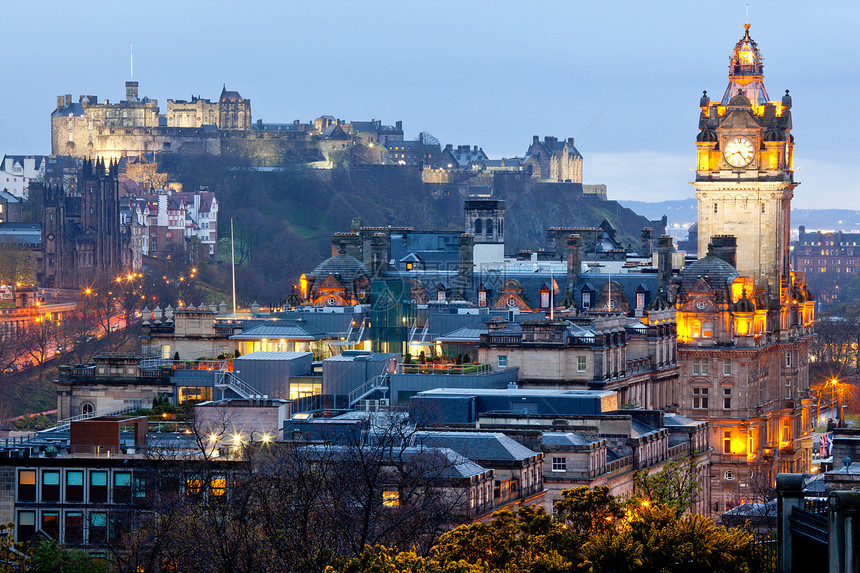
x=665 y=248
x=726 y=248
x=647 y=240
x=574 y=262
x=378 y=255
x=68 y=100
x=60 y=101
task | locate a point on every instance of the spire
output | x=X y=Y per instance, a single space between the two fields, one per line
x=746 y=71
x=746 y=60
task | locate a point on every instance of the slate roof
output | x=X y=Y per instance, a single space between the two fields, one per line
x=71 y=110
x=287 y=331
x=342 y=265
x=21 y=233
x=5 y=195
x=478 y=446
x=464 y=334
x=450 y=464
x=719 y=273
x=37 y=161
x=638 y=429
x=551 y=439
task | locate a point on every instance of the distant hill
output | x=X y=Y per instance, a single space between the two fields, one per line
x=685 y=212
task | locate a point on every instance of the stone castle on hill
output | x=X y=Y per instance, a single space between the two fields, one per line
x=136 y=126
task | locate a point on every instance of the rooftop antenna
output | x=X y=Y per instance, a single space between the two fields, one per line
x=748 y=14
x=131 y=56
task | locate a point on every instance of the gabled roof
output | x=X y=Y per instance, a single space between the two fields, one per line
x=464 y=334
x=478 y=446
x=287 y=331
x=550 y=439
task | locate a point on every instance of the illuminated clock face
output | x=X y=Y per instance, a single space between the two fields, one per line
x=739 y=151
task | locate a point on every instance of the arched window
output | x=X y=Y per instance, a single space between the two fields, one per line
x=489 y=227
x=87 y=409
x=479 y=226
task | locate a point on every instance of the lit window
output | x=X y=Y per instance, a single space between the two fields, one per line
x=788 y=359
x=695 y=329
x=727 y=441
x=391 y=498
x=27 y=485
x=218 y=486
x=193 y=486
x=559 y=464
x=707 y=329
x=586 y=300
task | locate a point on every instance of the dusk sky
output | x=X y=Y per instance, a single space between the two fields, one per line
x=623 y=78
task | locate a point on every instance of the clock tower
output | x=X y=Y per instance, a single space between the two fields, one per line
x=744 y=172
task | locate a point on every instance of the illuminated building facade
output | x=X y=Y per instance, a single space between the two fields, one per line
x=745 y=320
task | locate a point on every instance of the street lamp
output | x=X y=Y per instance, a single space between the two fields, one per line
x=833 y=398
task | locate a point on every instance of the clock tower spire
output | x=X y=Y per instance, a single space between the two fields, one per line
x=744 y=172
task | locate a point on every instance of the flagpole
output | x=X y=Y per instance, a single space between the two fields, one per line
x=551 y=295
x=233 y=255
x=609 y=302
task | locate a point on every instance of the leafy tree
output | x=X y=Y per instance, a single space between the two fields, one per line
x=51 y=557
x=654 y=538
x=13 y=556
x=676 y=485
x=588 y=511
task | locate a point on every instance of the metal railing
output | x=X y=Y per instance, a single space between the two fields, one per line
x=378 y=382
x=445 y=368
x=112 y=411
x=227 y=378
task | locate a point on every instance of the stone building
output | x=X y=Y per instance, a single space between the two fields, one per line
x=554 y=160
x=745 y=320
x=195 y=113
x=77 y=128
x=234 y=111
x=828 y=259
x=82 y=237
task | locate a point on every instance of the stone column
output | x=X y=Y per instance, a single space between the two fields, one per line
x=789 y=491
x=844 y=555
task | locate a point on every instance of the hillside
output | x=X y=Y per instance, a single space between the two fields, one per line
x=685 y=212
x=284 y=218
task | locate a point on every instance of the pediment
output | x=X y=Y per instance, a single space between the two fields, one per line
x=330 y=283
x=702 y=286
x=740 y=119
x=511 y=301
